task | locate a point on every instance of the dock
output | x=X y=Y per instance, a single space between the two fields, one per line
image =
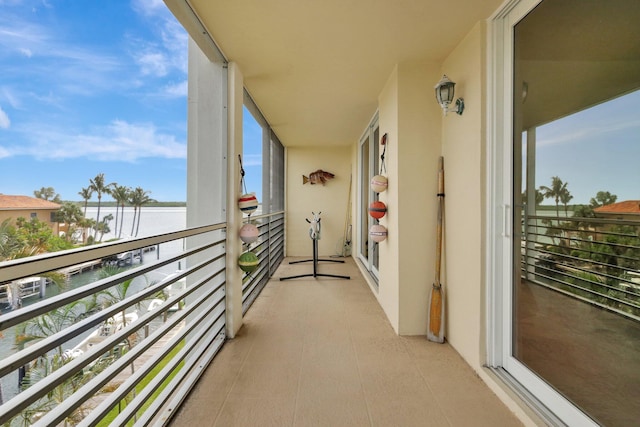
x=80 y=268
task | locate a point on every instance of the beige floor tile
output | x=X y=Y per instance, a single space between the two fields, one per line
x=243 y=411
x=321 y=352
x=323 y=410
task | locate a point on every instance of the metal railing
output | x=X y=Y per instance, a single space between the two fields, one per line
x=269 y=248
x=594 y=259
x=85 y=357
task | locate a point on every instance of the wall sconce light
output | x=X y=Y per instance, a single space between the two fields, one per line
x=444 y=96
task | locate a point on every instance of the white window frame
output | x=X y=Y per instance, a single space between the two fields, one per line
x=545 y=400
x=362 y=211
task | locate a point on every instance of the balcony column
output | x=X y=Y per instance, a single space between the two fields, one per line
x=234 y=215
x=206 y=151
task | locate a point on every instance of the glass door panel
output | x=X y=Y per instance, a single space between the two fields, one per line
x=576 y=199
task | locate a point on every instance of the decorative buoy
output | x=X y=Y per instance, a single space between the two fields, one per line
x=379 y=183
x=249 y=233
x=378 y=233
x=248 y=262
x=377 y=209
x=248 y=203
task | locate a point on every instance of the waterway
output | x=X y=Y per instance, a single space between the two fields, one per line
x=153 y=221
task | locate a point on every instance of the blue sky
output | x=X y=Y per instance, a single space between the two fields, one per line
x=94 y=87
x=597 y=149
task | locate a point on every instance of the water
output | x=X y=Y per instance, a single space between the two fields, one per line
x=153 y=221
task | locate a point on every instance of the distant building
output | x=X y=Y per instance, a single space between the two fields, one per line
x=627 y=210
x=14 y=207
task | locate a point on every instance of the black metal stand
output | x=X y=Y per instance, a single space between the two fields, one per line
x=315 y=265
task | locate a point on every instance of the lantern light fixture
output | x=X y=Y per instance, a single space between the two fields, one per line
x=445 y=90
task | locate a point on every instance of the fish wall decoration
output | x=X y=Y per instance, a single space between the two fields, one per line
x=317 y=177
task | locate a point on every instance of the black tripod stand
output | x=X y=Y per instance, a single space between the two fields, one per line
x=314 y=234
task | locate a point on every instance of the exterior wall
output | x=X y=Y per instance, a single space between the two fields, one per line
x=43 y=215
x=330 y=199
x=410 y=117
x=463 y=150
x=389 y=274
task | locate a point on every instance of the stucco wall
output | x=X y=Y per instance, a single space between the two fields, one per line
x=462 y=148
x=330 y=199
x=411 y=119
x=43 y=215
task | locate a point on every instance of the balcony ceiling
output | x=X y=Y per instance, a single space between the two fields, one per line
x=315 y=68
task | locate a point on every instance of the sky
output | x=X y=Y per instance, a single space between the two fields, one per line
x=597 y=149
x=96 y=88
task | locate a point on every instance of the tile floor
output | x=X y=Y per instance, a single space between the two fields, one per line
x=320 y=352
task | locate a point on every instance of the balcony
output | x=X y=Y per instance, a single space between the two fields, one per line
x=322 y=352
x=311 y=351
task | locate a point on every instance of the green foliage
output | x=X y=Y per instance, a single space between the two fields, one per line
x=47 y=193
x=602 y=198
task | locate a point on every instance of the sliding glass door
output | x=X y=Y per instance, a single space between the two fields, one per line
x=369 y=151
x=571 y=207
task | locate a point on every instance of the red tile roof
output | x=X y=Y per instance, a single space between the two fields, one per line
x=25 y=202
x=626 y=207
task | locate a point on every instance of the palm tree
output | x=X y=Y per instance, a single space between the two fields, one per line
x=139 y=197
x=103 y=226
x=555 y=191
x=86 y=194
x=120 y=194
x=602 y=198
x=97 y=184
x=71 y=215
x=565 y=198
x=47 y=193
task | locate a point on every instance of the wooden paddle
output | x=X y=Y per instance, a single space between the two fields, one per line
x=435 y=317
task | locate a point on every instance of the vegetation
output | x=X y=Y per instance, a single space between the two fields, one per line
x=589 y=259
x=47 y=193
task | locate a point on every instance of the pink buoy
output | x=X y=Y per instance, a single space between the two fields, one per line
x=379 y=183
x=378 y=233
x=249 y=233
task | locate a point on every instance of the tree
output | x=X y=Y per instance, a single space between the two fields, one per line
x=602 y=198
x=10 y=244
x=139 y=197
x=86 y=194
x=71 y=215
x=565 y=198
x=555 y=191
x=103 y=226
x=538 y=196
x=120 y=194
x=47 y=193
x=99 y=187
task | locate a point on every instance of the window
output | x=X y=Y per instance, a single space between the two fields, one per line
x=369 y=163
x=566 y=304
x=262 y=159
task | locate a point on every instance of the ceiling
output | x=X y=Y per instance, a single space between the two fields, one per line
x=573 y=54
x=315 y=68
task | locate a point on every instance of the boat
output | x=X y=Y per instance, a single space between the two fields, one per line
x=14 y=292
x=107 y=328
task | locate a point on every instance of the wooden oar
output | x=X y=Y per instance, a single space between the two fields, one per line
x=435 y=317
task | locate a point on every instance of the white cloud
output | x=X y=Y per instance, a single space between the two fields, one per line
x=577 y=134
x=118 y=141
x=4 y=120
x=26 y=52
x=166 y=54
x=176 y=90
x=149 y=7
x=153 y=63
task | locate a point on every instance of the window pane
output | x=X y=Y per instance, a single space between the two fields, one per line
x=576 y=318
